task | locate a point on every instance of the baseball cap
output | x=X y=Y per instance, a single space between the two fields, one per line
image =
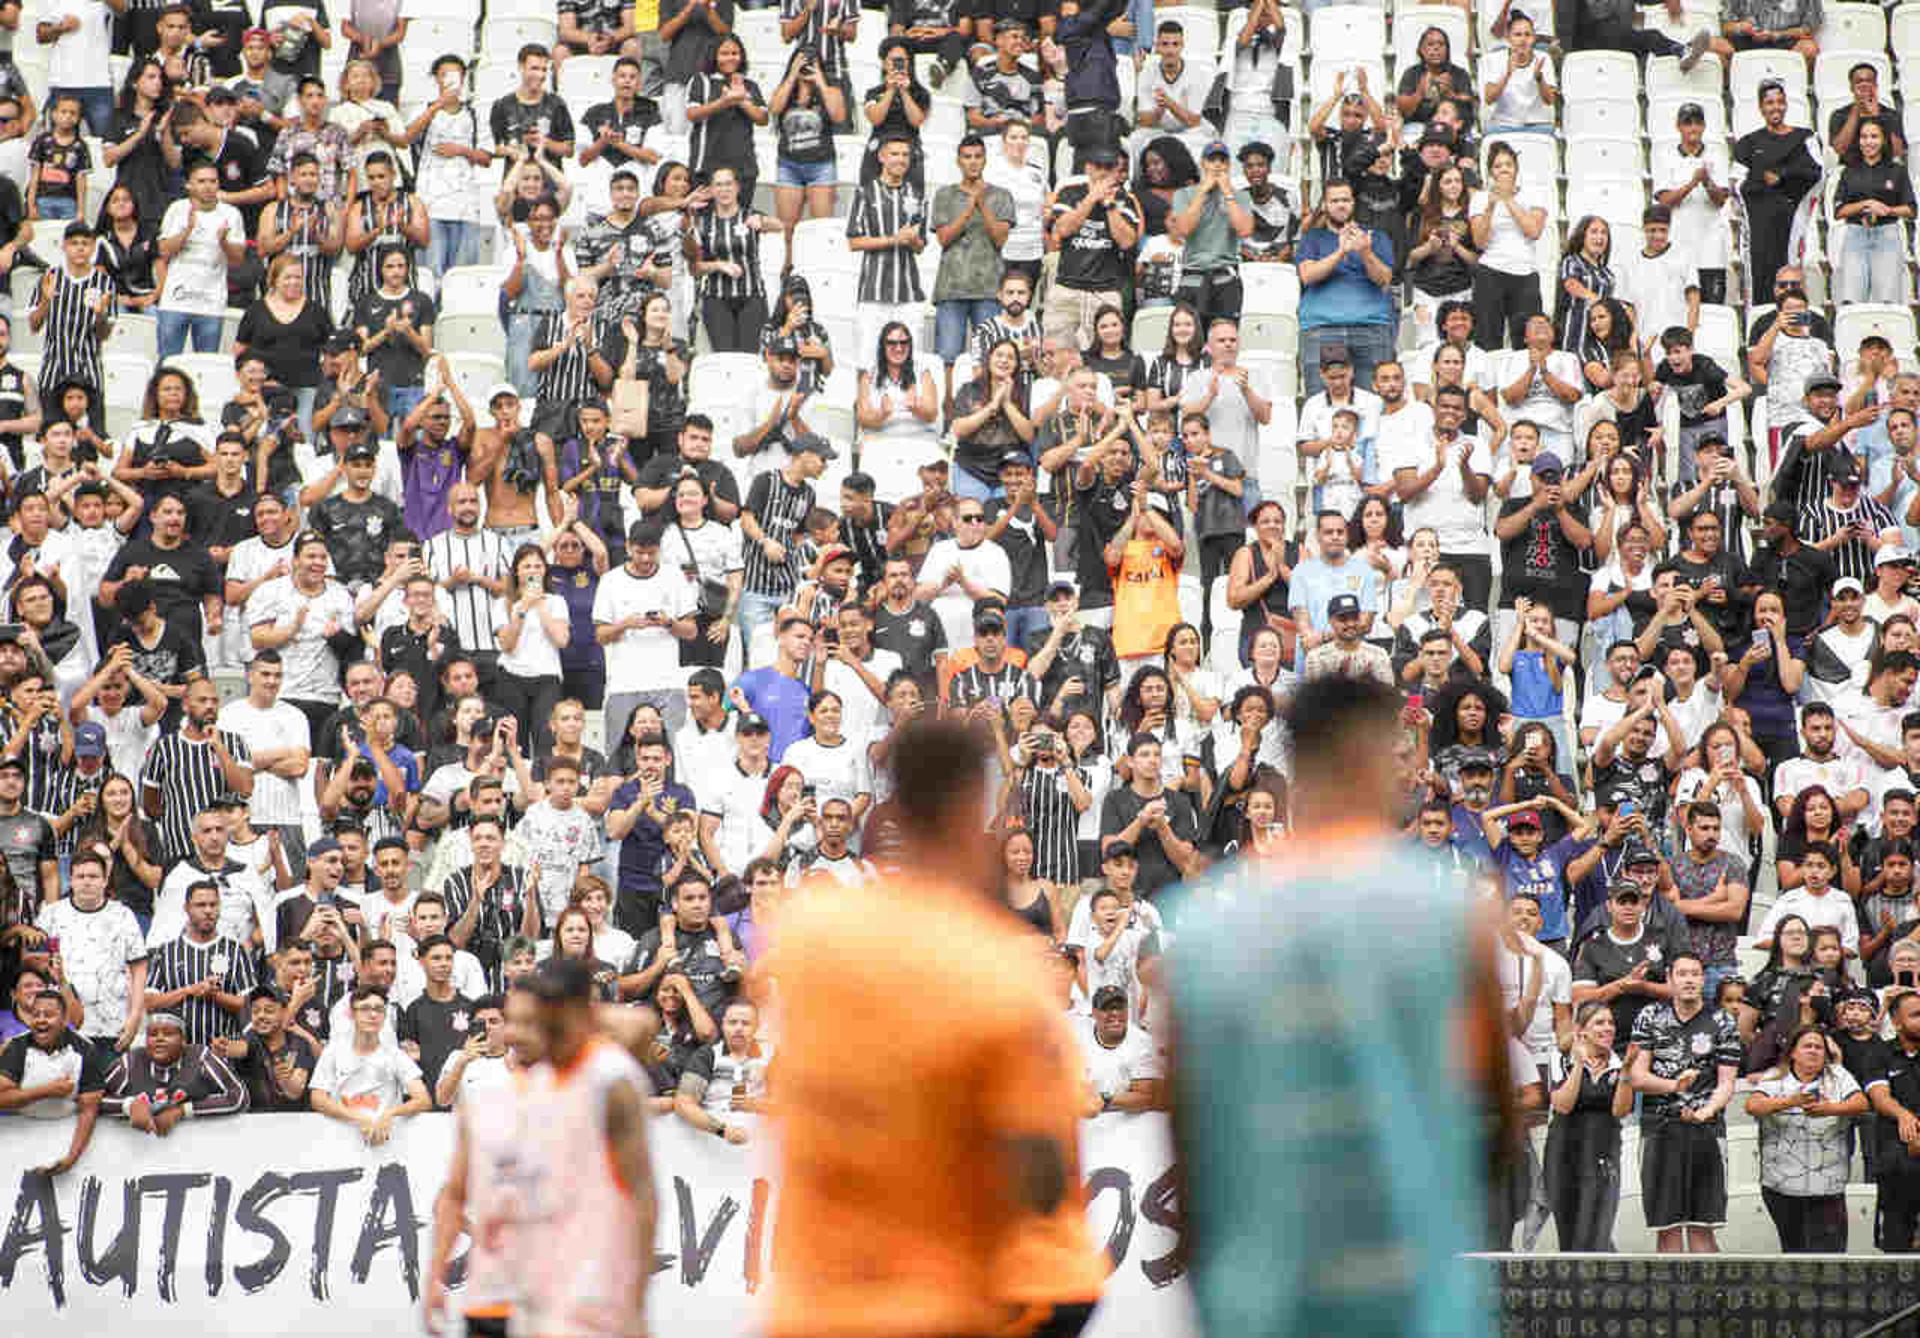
x=1343 y=606
x=814 y=442
x=1101 y=155
x=1119 y=850
x=340 y=341
x=1782 y=512
x=362 y=450
x=1526 y=817
x=753 y=723
x=1256 y=148
x=783 y=346
x=1062 y=585
x=1436 y=133
x=12 y=764
x=1846 y=583
x=1820 y=381
x=349 y=419
x=90 y=740
x=1216 y=148
x=1639 y=852
x=499 y=388
x=1844 y=470
x=835 y=553
x=1109 y=996
x=1625 y=889
x=1475 y=759
x=326 y=845
x=1548 y=463
x=989 y=620
x=1334 y=355
x=1893 y=555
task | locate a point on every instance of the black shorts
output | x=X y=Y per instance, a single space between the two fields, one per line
x=1683 y=1176
x=486 y=1326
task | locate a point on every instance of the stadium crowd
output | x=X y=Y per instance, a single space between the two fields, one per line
x=602 y=430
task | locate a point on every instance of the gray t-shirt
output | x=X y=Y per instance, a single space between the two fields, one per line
x=970 y=268
x=1211 y=245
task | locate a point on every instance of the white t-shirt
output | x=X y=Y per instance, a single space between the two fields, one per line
x=310 y=670
x=861 y=713
x=985 y=564
x=96 y=947
x=1553 y=414
x=560 y=842
x=1474 y=371
x=1870 y=720
x=197 y=274
x=736 y=802
x=534 y=655
x=79 y=59
x=1840 y=774
x=1458 y=520
x=128 y=736
x=276 y=800
x=1188 y=88
x=1657 y=287
x=1113 y=1071
x=1733 y=814
x=1028 y=186
x=370 y=1082
x=839 y=772
x=1508 y=248
x=452 y=188
x=1519 y=103
x=1831 y=910
x=643 y=659
x=1556 y=988
x=1698 y=229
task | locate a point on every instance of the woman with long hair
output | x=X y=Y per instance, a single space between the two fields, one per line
x=1586 y=277
x=1610 y=343
x=1030 y=899
x=1196 y=688
x=1258 y=575
x=707 y=550
x=805 y=109
x=1806 y=1111
x=1247 y=750
x=793 y=318
x=534 y=627
x=655 y=355
x=169 y=432
x=1263 y=825
x=1530 y=770
x=1763 y=677
x=1086 y=750
x=1466 y=717
x=1110 y=355
x=1777 y=986
x=1813 y=819
x=118 y=832
x=1017 y=167
x=572 y=940
x=1373 y=536
x=1407 y=594
x=128 y=250
x=1718 y=775
x=990 y=424
x=1146 y=707
x=723 y=247
x=1623 y=494
x=1441 y=260
x=1506 y=282
x=1183 y=354
x=142 y=120
x=534 y=289
x=1875 y=196
x=786 y=818
x=1166 y=167
x=1620 y=594
x=644 y=722
x=1582 y=1165
x=576 y=561
x=897 y=406
x=725 y=106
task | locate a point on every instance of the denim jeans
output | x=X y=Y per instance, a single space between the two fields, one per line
x=756 y=611
x=1872 y=266
x=954 y=320
x=1367 y=345
x=1025 y=621
x=966 y=485
x=96 y=107
x=175 y=325
x=451 y=243
x=57 y=206
x=400 y=403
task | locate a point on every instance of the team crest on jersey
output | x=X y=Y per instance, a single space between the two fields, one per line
x=1653 y=952
x=458 y=1021
x=1702 y=1044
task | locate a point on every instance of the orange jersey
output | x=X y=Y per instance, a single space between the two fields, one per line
x=960 y=659
x=891 y=1212
x=1053 y=1259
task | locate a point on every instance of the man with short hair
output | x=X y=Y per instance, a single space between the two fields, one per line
x=1223 y=390
x=772 y=528
x=1624 y=965
x=1442 y=485
x=972 y=220
x=170 y=1079
x=730 y=822
x=102 y=953
x=1318 y=581
x=201 y=976
x=1124 y=1071
x=1894 y=1091
x=1849 y=524
x=1710 y=886
x=50 y=1071
x=1095 y=223
x=689 y=943
x=637 y=816
x=1345 y=271
x=1157 y=823
x=437 y=1023
x=1210 y=219
x=364 y=1080
x=272 y=1060
x=1812 y=447
x=887 y=228
x=189 y=766
x=274 y=733
x=641 y=614
x=1689 y=1055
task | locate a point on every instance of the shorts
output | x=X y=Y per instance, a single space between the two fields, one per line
x=1683 y=1176
x=793 y=173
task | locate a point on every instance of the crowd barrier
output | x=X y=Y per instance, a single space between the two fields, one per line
x=291 y=1225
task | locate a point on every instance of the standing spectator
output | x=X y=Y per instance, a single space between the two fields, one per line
x=1782 y=166
x=887 y=226
x=1894 y=1092
x=692 y=29
x=534 y=629
x=1156 y=824
x=1805 y=1110
x=453 y=158
x=1096 y=223
x=806 y=107
x=1345 y=271
x=188 y=766
x=311 y=134
x=1506 y=281
x=471 y=566
x=103 y=954
x=272 y=1059
x=200 y=237
x=272 y=730
x=365 y=1080
x=973 y=220
x=75 y=308
x=436 y=1023
x=778 y=503
x=80 y=35
x=531 y=122
x=1583 y=1140
x=641 y=614
x=309 y=618
x=726 y=257
x=1874 y=193
x=1211 y=220
x=725 y=106
x=637 y=815
x=202 y=976
x=1689 y=1055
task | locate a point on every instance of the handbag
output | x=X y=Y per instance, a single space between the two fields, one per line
x=629 y=407
x=712 y=603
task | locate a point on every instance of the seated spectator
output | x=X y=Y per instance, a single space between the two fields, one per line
x=727 y=1078
x=157 y=1085
x=1123 y=1066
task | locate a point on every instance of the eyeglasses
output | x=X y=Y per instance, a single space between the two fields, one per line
x=899 y=343
x=971 y=517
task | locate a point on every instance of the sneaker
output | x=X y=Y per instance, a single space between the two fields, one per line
x=1696 y=47
x=937 y=73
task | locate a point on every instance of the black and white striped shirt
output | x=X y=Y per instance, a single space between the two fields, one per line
x=484 y=553
x=1052 y=822
x=998 y=329
x=72 y=351
x=499 y=918
x=188 y=776
x=821 y=35
x=179 y=962
x=729 y=239
x=567 y=381
x=380 y=220
x=312 y=230
x=333 y=980
x=976 y=684
x=1820 y=520
x=780 y=508
x=890 y=276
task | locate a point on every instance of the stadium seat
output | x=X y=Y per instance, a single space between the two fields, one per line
x=1593 y=157
x=1539 y=167
x=502 y=38
x=1326 y=73
x=135 y=334
x=432 y=38
x=1904 y=37
x=1752 y=68
x=1619 y=202
x=1347 y=34
x=1852 y=27
x=465 y=10
x=1270 y=332
x=213 y=374
x=1855 y=322
x=126 y=377
x=1700 y=84
x=468 y=333
x=1718 y=335
x=475 y=374
x=1597 y=116
x=1599 y=74
x=470 y=290
x=586 y=79
x=1270 y=288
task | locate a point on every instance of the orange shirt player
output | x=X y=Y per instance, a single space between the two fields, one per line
x=903 y=1179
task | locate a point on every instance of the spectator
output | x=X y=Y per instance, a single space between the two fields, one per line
x=365 y=1080
x=1344 y=270
x=103 y=954
x=1803 y=1110
x=1894 y=1092
x=806 y=108
x=1122 y=1068
x=202 y=977
x=272 y=1060
x=1156 y=824
x=726 y=1079
x=159 y=1084
x=725 y=107
x=1872 y=194
x=49 y=1071
x=1095 y=223
x=1781 y=169
x=1582 y=1161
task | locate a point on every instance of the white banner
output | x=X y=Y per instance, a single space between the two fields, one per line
x=290 y=1225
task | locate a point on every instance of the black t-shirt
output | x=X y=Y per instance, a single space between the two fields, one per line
x=1091 y=260
x=1704 y=383
x=664 y=469
x=357 y=533
x=1086 y=655
x=1887 y=118
x=398 y=362
x=1601 y=961
x=697 y=957
x=26 y=839
x=255 y=1069
x=1026 y=550
x=1156 y=869
x=1103 y=509
x=1802 y=580
x=915 y=636
x=438 y=1029
x=1542 y=564
x=1644 y=780
x=511 y=118
x=806 y=135
x=96 y=1061
x=1728 y=619
x=215 y=520
x=180 y=577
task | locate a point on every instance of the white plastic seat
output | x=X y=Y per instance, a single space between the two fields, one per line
x=1702 y=83
x=417 y=10
x=1599 y=74
x=1752 y=68
x=435 y=37
x=135 y=335
x=470 y=290
x=1270 y=289
x=1618 y=202
x=1615 y=158
x=502 y=38
x=1852 y=27
x=212 y=373
x=1149 y=333
x=1346 y=34
x=820 y=248
x=1586 y=117
x=1718 y=335
x=469 y=333
x=716 y=378
x=1200 y=23
x=476 y=372
x=586 y=78
x=1853 y=323
x=126 y=377
x=1904 y=34
x=1326 y=73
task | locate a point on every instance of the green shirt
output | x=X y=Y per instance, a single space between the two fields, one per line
x=1212 y=244
x=970 y=268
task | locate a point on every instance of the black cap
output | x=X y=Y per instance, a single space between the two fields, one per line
x=1118 y=850
x=783 y=346
x=361 y=450
x=814 y=442
x=751 y=722
x=1625 y=889
x=1843 y=469
x=12 y=764
x=1109 y=996
x=340 y=341
x=1101 y=155
x=349 y=419
x=1475 y=759
x=1344 y=606
x=1639 y=852
x=1782 y=512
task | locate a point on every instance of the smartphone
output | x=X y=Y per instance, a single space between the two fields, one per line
x=1416 y=701
x=1910 y=979
x=1763 y=639
x=1627 y=807
x=806 y=792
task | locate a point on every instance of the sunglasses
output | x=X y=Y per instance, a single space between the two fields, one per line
x=971 y=517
